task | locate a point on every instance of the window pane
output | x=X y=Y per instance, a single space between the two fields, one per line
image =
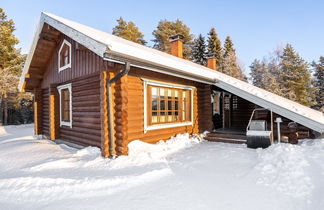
x=162 y=105
x=154 y=92
x=154 y=104
x=65 y=105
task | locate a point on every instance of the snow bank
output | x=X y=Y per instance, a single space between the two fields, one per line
x=284 y=167
x=141 y=153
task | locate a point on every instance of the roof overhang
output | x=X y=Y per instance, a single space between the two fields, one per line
x=120 y=50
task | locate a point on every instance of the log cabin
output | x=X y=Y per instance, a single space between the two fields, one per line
x=95 y=89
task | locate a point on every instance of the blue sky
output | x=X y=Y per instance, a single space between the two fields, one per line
x=257 y=27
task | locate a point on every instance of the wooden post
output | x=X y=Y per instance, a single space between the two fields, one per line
x=38 y=111
x=121 y=116
x=104 y=114
x=54 y=113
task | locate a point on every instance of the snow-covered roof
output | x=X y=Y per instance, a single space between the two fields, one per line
x=104 y=44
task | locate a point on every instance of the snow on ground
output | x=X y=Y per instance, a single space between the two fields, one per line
x=182 y=173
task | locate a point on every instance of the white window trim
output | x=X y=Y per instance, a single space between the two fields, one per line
x=169 y=85
x=70 y=55
x=59 y=88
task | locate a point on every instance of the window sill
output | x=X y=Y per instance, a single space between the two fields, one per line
x=65 y=67
x=168 y=125
x=68 y=124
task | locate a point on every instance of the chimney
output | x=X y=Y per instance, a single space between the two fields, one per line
x=211 y=62
x=176 y=45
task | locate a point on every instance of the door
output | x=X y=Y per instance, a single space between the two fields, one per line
x=226 y=110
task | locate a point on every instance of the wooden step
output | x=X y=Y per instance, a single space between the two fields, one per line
x=225 y=140
x=227 y=136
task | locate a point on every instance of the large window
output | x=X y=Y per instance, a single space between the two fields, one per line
x=168 y=105
x=65 y=105
x=64 y=56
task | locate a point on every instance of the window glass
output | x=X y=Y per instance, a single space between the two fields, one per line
x=167 y=103
x=65 y=103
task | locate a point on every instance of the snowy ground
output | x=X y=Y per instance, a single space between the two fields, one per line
x=183 y=173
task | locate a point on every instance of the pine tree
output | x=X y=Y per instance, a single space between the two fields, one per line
x=295 y=77
x=129 y=31
x=215 y=46
x=319 y=83
x=167 y=28
x=199 y=51
x=11 y=62
x=228 y=46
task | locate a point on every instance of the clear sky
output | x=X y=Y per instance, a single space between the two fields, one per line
x=257 y=27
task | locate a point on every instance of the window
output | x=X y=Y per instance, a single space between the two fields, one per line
x=65 y=105
x=64 y=56
x=235 y=106
x=167 y=105
x=216 y=102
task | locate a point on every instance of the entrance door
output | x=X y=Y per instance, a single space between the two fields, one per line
x=226 y=110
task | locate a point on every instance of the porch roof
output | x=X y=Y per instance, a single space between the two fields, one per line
x=116 y=49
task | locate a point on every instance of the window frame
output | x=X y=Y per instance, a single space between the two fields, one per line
x=60 y=88
x=147 y=125
x=66 y=66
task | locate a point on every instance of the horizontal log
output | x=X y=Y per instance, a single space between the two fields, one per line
x=79 y=135
x=87 y=120
x=80 y=141
x=86 y=109
x=81 y=89
x=87 y=98
x=85 y=93
x=86 y=125
x=87 y=114
x=89 y=103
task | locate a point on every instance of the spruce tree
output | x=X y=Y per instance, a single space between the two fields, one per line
x=199 y=51
x=214 y=46
x=11 y=62
x=229 y=63
x=165 y=30
x=258 y=71
x=228 y=46
x=231 y=67
x=319 y=83
x=262 y=76
x=129 y=31
x=295 y=77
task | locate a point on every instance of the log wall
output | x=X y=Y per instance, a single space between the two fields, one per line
x=135 y=107
x=86 y=123
x=45 y=112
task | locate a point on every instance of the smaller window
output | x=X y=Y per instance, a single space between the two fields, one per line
x=216 y=102
x=65 y=105
x=235 y=106
x=64 y=56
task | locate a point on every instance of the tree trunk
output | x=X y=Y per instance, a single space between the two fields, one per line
x=5 y=110
x=1 y=109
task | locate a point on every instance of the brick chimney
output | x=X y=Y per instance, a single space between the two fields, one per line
x=211 y=62
x=177 y=45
